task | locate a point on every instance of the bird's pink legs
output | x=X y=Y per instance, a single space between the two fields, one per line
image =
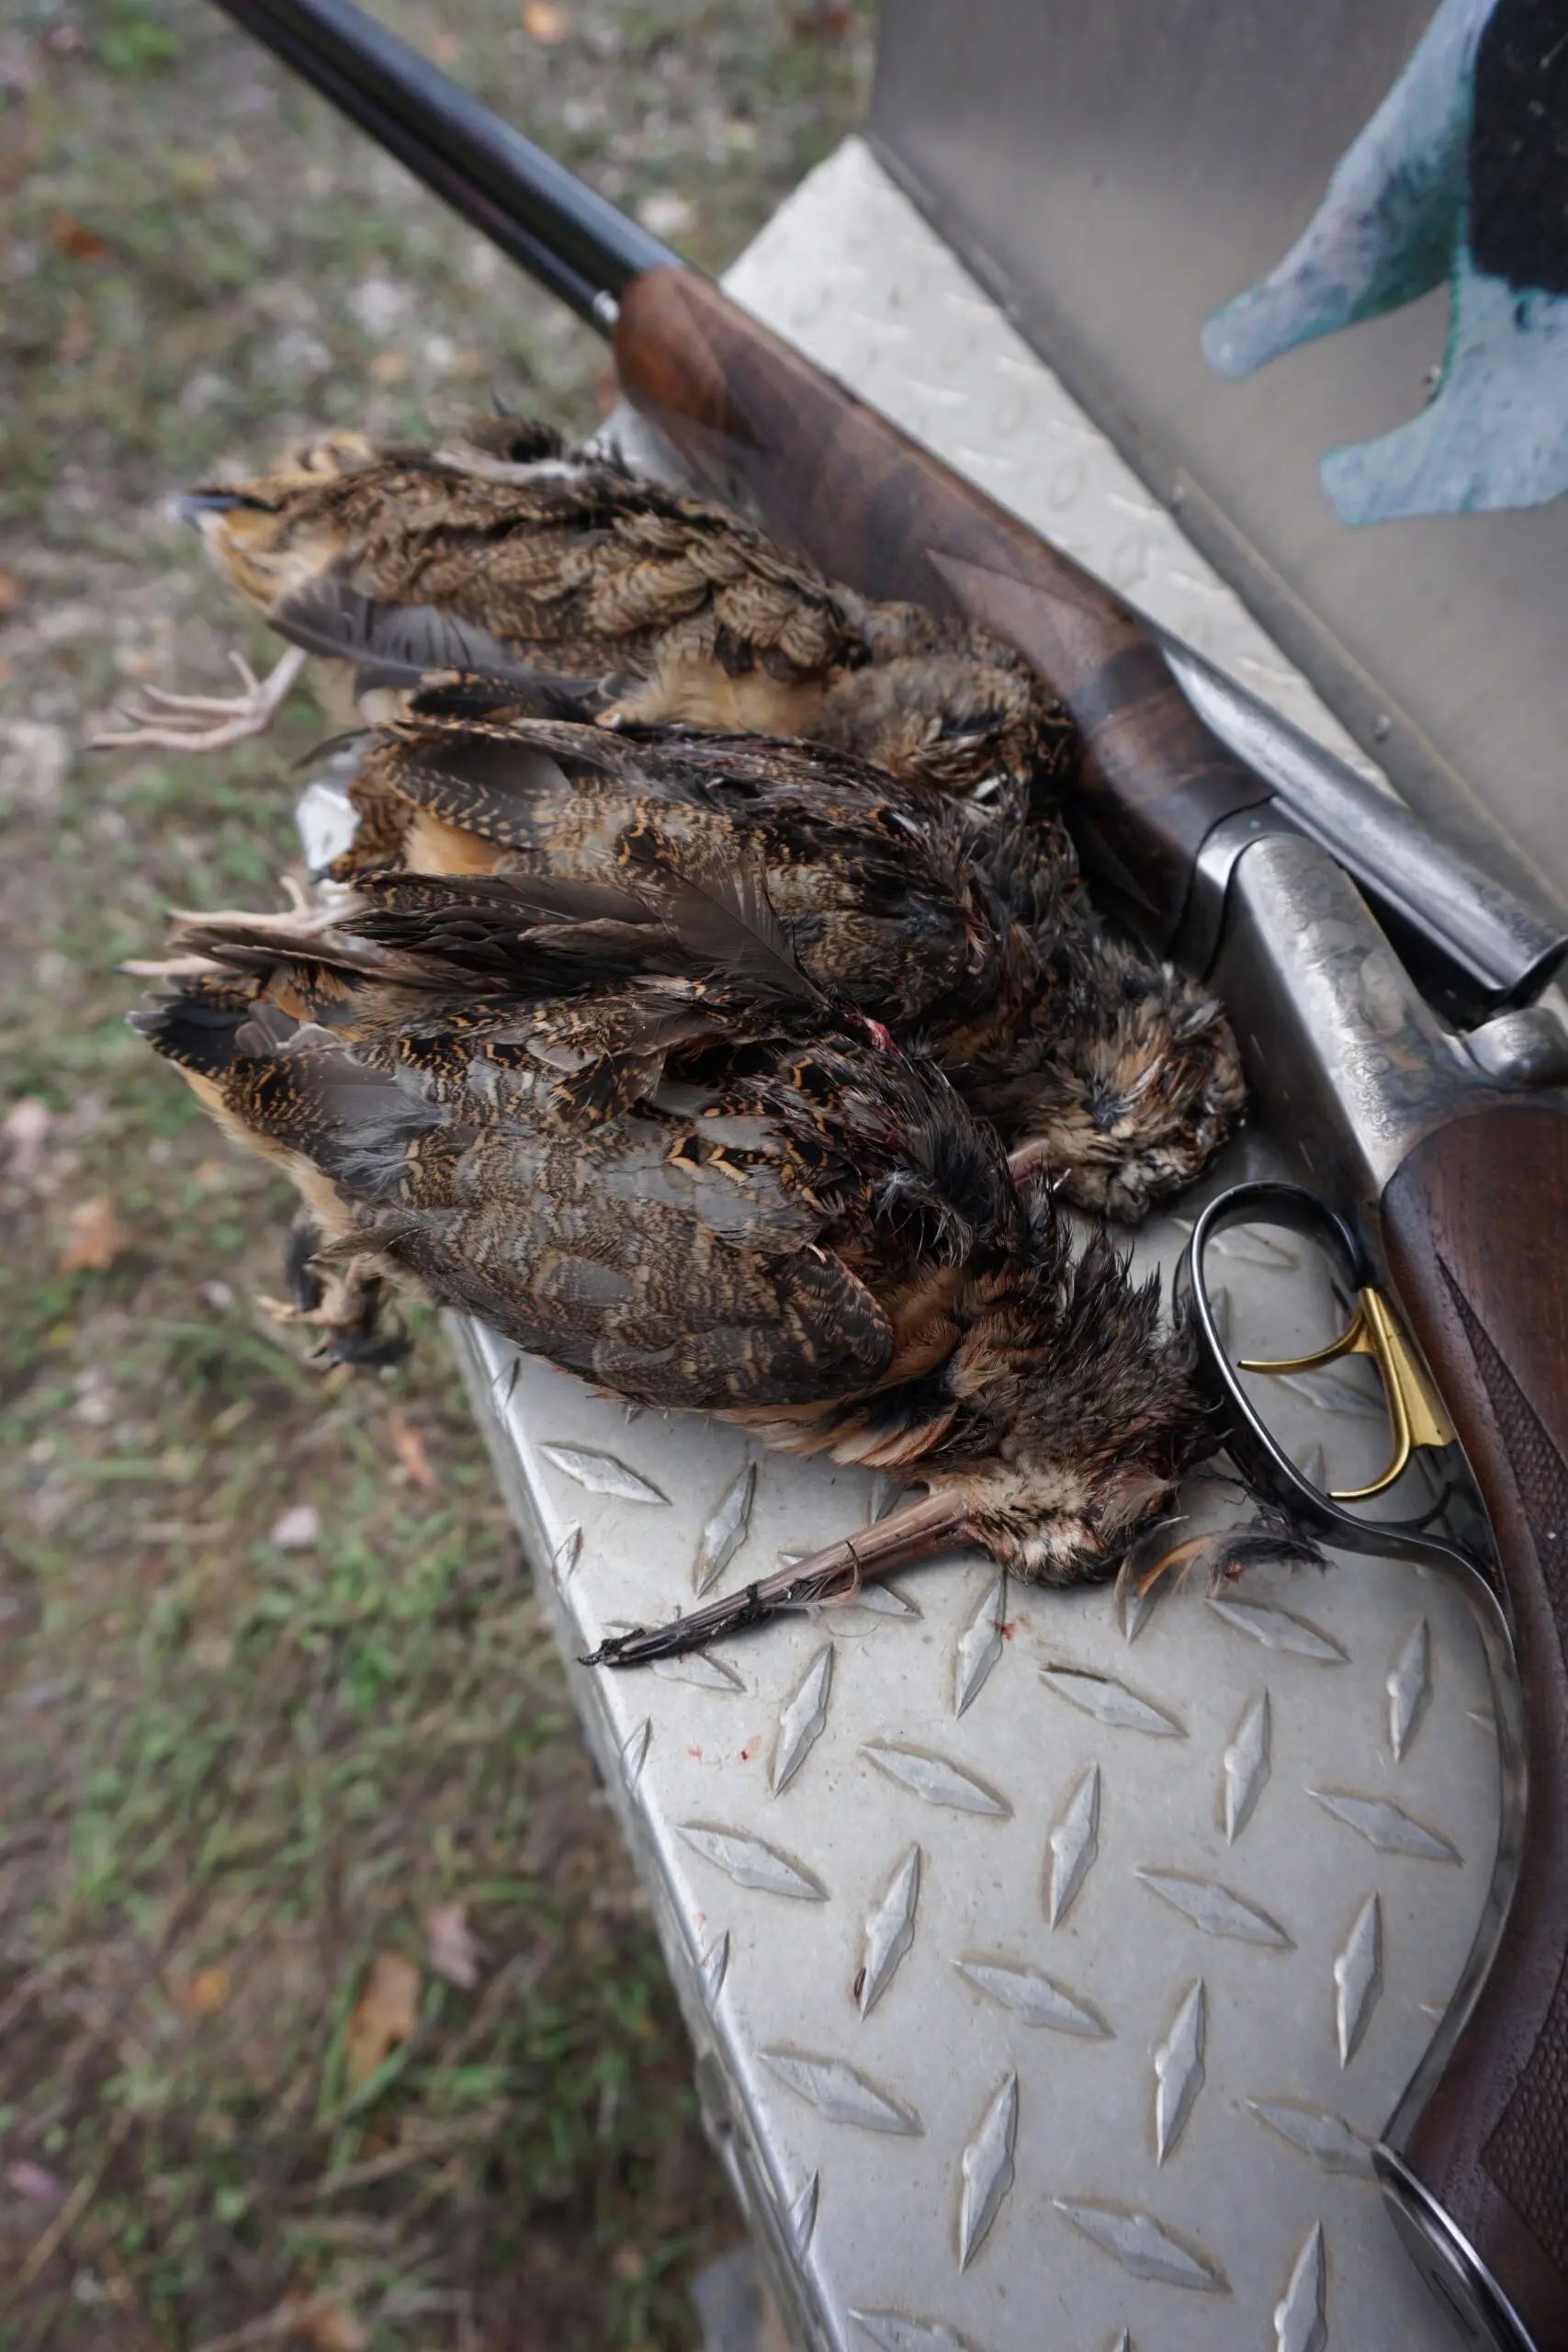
x=207 y=722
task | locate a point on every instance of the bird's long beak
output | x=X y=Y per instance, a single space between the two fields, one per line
x=939 y=1523
x=194 y=503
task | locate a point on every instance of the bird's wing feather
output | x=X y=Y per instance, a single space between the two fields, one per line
x=393 y=644
x=723 y=917
x=635 y=1253
x=506 y=785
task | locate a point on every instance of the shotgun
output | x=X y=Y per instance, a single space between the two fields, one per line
x=1440 y=1160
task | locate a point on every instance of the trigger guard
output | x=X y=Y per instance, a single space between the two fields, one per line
x=1264 y=1464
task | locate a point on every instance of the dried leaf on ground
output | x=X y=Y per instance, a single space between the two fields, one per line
x=385 y=2015
x=453 y=1950
x=546 y=23
x=409 y=1446
x=330 y=2325
x=10 y=593
x=201 y=1993
x=74 y=239
x=94 y=1236
x=320 y=2319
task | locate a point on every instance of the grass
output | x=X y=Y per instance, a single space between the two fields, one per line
x=275 y=1700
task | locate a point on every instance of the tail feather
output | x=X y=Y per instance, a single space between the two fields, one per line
x=361 y=1128
x=195 y=1022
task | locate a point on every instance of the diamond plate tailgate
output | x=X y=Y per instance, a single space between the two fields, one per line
x=1050 y=1969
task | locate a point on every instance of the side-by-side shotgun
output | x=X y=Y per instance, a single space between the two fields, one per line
x=1230 y=844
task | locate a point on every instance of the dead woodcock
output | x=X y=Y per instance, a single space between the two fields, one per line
x=965 y=931
x=730 y=1195
x=505 y=554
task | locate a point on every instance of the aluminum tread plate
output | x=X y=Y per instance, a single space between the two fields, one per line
x=1049 y=1973
x=1050 y=1970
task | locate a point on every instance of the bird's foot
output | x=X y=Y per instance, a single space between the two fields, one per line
x=296 y=924
x=285 y=1312
x=347 y=1306
x=207 y=722
x=353 y=1342
x=1158 y=1554
x=1270 y=1538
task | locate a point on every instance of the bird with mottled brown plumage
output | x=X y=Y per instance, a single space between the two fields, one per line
x=966 y=930
x=732 y=1196
x=571 y=577
x=967 y=933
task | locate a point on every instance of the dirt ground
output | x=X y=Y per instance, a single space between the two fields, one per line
x=328 y=2014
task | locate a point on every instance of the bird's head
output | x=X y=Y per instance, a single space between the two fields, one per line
x=1046 y=1402
x=260 y=541
x=1076 y=1407
x=1071 y=1416
x=274 y=533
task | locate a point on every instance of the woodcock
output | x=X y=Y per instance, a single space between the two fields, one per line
x=506 y=554
x=963 y=929
x=728 y=1193
x=590 y=594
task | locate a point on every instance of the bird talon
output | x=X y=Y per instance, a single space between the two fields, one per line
x=235 y=717
x=1140 y=1573
x=282 y=1311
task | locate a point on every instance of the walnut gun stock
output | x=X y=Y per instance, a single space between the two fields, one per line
x=871 y=507
x=1460 y=1184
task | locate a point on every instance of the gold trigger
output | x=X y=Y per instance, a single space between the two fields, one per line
x=1415 y=1408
